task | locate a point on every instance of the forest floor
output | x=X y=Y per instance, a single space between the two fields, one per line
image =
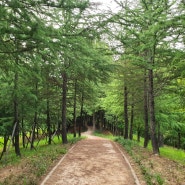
x=156 y=170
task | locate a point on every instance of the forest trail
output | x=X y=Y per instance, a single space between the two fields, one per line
x=92 y=161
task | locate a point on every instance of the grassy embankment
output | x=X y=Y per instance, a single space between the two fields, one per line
x=171 y=153
x=28 y=169
x=138 y=153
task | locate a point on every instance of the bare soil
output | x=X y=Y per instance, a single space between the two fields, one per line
x=93 y=161
x=171 y=172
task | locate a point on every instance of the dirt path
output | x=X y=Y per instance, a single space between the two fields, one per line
x=93 y=161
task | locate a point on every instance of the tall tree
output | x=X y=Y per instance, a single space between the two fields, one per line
x=145 y=26
x=16 y=109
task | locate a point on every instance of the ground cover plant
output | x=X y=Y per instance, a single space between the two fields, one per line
x=169 y=152
x=164 y=169
x=33 y=164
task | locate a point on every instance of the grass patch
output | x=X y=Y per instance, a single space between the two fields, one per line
x=1 y=141
x=173 y=154
x=168 y=152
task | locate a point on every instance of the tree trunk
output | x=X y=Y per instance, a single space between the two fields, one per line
x=16 y=137
x=16 y=115
x=146 y=131
x=35 y=119
x=48 y=122
x=152 y=113
x=64 y=108
x=74 y=109
x=126 y=113
x=131 y=122
x=81 y=117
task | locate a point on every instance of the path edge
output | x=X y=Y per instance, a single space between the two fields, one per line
x=56 y=166
x=128 y=163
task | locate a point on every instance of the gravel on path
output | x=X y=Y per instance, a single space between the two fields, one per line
x=92 y=161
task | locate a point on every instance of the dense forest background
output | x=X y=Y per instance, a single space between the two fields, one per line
x=65 y=64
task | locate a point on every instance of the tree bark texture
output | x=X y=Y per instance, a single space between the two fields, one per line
x=126 y=112
x=131 y=122
x=146 y=130
x=16 y=115
x=74 y=109
x=64 y=108
x=153 y=133
x=34 y=120
x=81 y=117
x=48 y=122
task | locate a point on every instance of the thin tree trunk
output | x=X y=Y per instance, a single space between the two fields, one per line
x=81 y=117
x=126 y=112
x=146 y=130
x=16 y=114
x=74 y=109
x=131 y=122
x=35 y=119
x=16 y=137
x=64 y=108
x=48 y=122
x=152 y=114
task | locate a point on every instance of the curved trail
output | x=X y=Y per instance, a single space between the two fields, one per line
x=93 y=161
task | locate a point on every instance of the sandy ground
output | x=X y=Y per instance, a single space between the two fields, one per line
x=93 y=161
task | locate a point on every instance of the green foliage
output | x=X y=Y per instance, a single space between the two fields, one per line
x=127 y=144
x=143 y=46
x=173 y=154
x=170 y=117
x=40 y=41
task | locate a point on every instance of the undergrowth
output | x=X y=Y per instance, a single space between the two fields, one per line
x=168 y=152
x=35 y=163
x=133 y=149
